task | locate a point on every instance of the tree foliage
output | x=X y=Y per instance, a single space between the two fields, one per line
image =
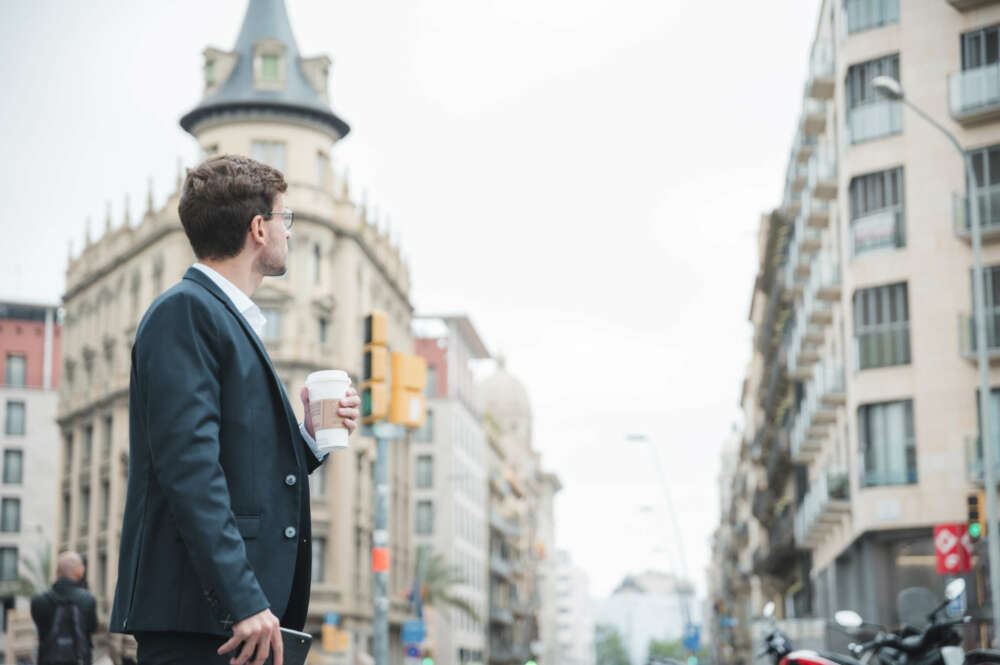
x=438 y=580
x=608 y=645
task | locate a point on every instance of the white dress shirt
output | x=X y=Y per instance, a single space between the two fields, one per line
x=251 y=312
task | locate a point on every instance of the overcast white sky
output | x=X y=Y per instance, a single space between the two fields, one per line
x=584 y=178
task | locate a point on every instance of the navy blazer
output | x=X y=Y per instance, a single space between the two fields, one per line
x=217 y=507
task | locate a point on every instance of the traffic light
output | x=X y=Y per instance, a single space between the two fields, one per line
x=374 y=393
x=409 y=375
x=976 y=523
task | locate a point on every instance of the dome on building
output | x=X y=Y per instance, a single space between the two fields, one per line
x=503 y=396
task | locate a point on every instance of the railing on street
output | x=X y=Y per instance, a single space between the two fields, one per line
x=867 y=14
x=974 y=94
x=874 y=120
x=967 y=334
x=989 y=214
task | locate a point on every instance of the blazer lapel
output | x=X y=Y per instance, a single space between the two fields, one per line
x=201 y=278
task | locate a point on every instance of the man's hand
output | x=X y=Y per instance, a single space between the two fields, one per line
x=348 y=411
x=260 y=632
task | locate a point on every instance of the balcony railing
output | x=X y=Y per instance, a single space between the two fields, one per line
x=967 y=334
x=821 y=81
x=877 y=230
x=989 y=214
x=887 y=345
x=798 y=176
x=805 y=237
x=500 y=614
x=824 y=278
x=825 y=503
x=867 y=14
x=874 y=120
x=823 y=178
x=803 y=147
x=792 y=204
x=813 y=117
x=500 y=566
x=817 y=213
x=974 y=94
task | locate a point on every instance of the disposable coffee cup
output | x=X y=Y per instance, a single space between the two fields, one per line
x=326 y=389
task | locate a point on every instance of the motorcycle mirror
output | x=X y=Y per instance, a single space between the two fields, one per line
x=769 y=609
x=848 y=619
x=954 y=589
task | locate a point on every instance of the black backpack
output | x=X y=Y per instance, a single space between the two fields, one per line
x=66 y=641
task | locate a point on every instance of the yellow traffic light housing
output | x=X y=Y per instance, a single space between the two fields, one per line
x=976 y=525
x=374 y=366
x=409 y=376
x=376 y=326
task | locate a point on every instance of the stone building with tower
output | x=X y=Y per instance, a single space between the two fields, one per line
x=263 y=99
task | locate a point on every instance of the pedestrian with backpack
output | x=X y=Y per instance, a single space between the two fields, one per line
x=65 y=616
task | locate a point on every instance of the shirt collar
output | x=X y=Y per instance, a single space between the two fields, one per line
x=248 y=308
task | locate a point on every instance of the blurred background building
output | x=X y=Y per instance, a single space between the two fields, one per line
x=574 y=613
x=30 y=351
x=860 y=400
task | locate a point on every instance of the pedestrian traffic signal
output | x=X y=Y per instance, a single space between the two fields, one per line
x=976 y=525
x=374 y=393
x=409 y=376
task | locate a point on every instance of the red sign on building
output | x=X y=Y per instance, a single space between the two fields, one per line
x=952 y=548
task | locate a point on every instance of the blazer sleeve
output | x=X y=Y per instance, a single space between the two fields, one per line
x=178 y=366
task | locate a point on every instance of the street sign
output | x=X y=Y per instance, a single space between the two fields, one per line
x=692 y=637
x=412 y=651
x=951 y=554
x=957 y=605
x=413 y=632
x=331 y=618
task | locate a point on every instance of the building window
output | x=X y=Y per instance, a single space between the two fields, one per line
x=13 y=470
x=271 y=153
x=870 y=115
x=10 y=515
x=15 y=372
x=269 y=67
x=425 y=518
x=316 y=263
x=322 y=170
x=209 y=73
x=318 y=560
x=986 y=165
x=981 y=47
x=868 y=14
x=66 y=507
x=882 y=326
x=105 y=503
x=430 y=388
x=322 y=326
x=68 y=453
x=88 y=443
x=84 y=508
x=426 y=431
x=8 y=564
x=876 y=204
x=14 y=424
x=272 y=325
x=888 y=446
x=102 y=574
x=425 y=472
x=107 y=432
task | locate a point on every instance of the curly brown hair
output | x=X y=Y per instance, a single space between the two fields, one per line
x=219 y=198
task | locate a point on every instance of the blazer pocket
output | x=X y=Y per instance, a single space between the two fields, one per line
x=249 y=525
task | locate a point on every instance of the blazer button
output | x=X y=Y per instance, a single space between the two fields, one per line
x=290 y=479
x=290 y=532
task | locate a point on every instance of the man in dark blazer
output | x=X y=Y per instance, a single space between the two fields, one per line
x=215 y=546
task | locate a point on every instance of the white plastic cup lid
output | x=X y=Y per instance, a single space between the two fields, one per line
x=328 y=375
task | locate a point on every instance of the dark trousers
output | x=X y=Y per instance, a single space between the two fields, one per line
x=180 y=648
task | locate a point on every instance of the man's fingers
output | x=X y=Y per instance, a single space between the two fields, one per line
x=350 y=400
x=263 y=650
x=349 y=424
x=231 y=644
x=278 y=646
x=248 y=648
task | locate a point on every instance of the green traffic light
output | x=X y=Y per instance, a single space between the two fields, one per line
x=975 y=529
x=692 y=660
x=428 y=661
x=366 y=407
x=530 y=662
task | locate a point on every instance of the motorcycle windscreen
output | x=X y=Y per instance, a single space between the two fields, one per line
x=914 y=604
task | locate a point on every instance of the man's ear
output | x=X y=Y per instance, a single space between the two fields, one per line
x=257 y=230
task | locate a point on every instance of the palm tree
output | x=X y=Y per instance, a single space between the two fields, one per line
x=437 y=579
x=34 y=577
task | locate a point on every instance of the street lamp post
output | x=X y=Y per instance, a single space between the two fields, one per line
x=682 y=559
x=892 y=89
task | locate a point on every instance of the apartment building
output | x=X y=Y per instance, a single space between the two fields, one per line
x=574 y=613
x=861 y=397
x=30 y=343
x=450 y=461
x=265 y=100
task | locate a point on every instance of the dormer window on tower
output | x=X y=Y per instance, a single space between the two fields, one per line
x=269 y=65
x=217 y=67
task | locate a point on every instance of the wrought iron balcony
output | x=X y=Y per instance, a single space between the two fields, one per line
x=989 y=214
x=779 y=461
x=780 y=551
x=974 y=94
x=824 y=505
x=967 y=335
x=874 y=120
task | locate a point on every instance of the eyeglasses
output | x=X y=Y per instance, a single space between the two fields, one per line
x=288 y=216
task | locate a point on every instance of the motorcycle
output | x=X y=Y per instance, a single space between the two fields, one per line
x=935 y=644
